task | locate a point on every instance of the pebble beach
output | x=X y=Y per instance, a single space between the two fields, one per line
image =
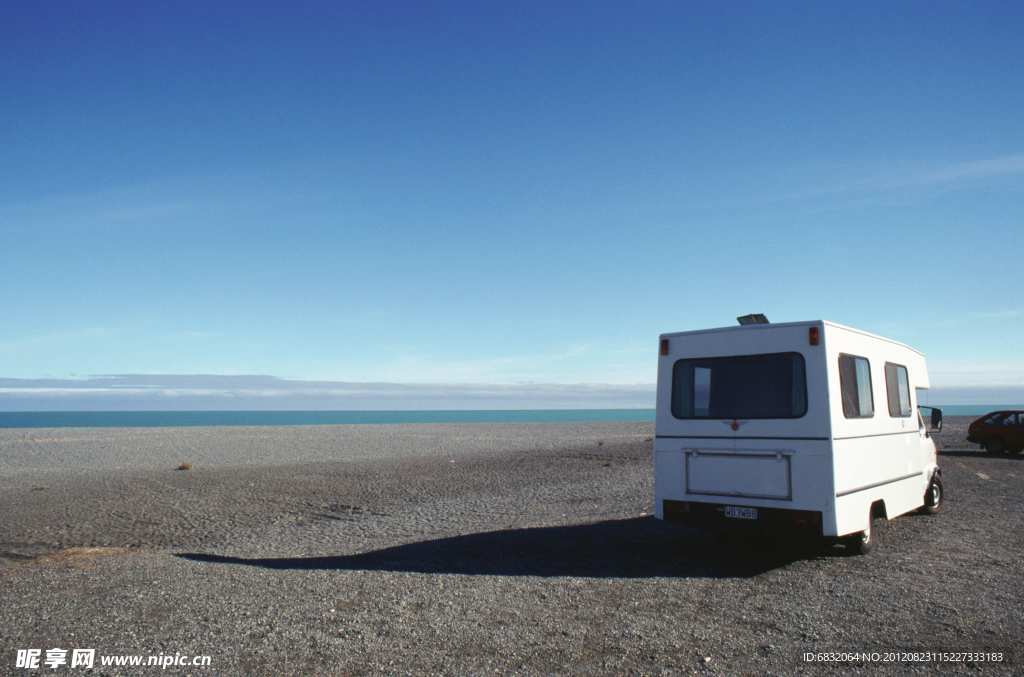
x=455 y=548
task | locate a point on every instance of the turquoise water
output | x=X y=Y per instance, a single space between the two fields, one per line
x=163 y=419
x=974 y=409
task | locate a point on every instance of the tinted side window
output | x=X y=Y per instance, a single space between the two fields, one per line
x=897 y=390
x=855 y=384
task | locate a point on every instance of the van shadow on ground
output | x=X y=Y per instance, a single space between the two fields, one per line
x=630 y=548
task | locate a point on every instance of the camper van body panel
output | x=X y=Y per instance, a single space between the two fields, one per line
x=880 y=457
x=819 y=461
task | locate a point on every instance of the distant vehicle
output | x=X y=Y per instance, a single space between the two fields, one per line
x=801 y=425
x=999 y=432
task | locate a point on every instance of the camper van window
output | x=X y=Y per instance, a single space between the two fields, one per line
x=897 y=390
x=855 y=384
x=745 y=386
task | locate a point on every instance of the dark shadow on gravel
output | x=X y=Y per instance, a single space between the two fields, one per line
x=631 y=548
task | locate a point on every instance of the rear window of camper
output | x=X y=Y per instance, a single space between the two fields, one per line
x=744 y=386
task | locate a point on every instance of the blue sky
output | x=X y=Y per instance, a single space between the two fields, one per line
x=503 y=194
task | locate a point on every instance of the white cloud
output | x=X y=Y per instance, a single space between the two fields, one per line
x=267 y=392
x=1007 y=314
x=921 y=177
x=969 y=170
x=965 y=374
x=54 y=338
x=580 y=362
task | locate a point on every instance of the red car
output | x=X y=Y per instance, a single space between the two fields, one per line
x=999 y=432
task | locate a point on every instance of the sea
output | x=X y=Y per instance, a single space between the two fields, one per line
x=166 y=419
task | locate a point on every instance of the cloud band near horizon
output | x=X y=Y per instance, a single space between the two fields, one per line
x=135 y=392
x=199 y=391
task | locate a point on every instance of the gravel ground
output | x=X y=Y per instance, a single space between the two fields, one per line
x=468 y=549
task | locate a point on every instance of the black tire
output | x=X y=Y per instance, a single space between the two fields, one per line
x=995 y=446
x=860 y=543
x=934 y=496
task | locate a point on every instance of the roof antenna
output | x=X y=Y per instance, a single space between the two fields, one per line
x=753 y=318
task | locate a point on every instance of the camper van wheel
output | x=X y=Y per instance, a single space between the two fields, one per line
x=860 y=543
x=933 y=497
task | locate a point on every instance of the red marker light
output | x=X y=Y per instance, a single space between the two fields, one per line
x=813 y=336
x=663 y=348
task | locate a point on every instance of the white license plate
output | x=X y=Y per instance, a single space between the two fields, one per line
x=736 y=512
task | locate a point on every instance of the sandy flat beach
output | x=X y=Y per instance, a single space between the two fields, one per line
x=465 y=548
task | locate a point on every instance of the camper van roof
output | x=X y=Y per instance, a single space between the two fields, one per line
x=777 y=325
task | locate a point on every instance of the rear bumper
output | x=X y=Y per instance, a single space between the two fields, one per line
x=712 y=515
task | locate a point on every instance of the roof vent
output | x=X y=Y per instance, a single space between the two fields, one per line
x=753 y=318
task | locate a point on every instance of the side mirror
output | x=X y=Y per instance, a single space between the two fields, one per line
x=936 y=420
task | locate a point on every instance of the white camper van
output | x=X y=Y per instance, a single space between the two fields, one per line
x=801 y=425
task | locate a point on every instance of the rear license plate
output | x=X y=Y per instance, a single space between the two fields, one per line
x=736 y=512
